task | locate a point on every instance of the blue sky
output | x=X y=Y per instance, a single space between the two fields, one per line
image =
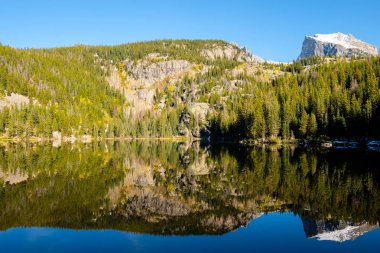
x=272 y=29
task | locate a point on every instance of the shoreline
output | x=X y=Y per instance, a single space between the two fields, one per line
x=335 y=143
x=72 y=139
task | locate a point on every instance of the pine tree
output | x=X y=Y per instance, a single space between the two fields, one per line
x=303 y=123
x=312 y=125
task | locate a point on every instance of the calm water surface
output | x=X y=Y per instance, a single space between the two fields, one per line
x=170 y=197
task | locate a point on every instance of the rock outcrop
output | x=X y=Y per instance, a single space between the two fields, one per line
x=230 y=52
x=336 y=44
x=139 y=80
x=14 y=100
x=146 y=72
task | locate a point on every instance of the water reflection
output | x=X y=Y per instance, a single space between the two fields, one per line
x=175 y=188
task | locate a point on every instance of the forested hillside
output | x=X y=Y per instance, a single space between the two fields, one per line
x=184 y=88
x=68 y=93
x=338 y=99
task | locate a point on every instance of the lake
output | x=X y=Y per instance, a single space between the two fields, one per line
x=152 y=196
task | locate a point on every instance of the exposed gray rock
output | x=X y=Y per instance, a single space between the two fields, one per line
x=336 y=44
x=14 y=99
x=57 y=139
x=230 y=52
x=199 y=110
x=146 y=95
x=147 y=72
x=184 y=120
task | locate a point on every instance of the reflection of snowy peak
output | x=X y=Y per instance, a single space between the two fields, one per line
x=335 y=44
x=345 y=234
x=332 y=230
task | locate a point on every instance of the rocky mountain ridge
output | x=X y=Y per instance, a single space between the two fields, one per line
x=336 y=44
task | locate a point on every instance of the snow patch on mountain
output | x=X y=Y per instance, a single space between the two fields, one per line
x=336 y=44
x=344 y=40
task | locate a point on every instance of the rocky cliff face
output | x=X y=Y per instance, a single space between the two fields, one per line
x=146 y=73
x=155 y=81
x=336 y=44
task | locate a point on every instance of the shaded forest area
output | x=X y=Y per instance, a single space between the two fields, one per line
x=339 y=99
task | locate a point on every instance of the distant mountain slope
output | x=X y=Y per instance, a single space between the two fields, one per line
x=336 y=44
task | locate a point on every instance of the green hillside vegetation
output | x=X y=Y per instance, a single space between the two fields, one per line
x=71 y=93
x=338 y=99
x=310 y=99
x=189 y=50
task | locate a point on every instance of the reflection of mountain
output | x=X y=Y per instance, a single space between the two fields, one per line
x=171 y=188
x=213 y=222
x=335 y=230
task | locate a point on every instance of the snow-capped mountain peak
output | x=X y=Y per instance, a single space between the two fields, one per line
x=336 y=44
x=342 y=39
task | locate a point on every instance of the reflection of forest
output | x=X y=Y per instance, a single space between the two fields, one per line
x=172 y=188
